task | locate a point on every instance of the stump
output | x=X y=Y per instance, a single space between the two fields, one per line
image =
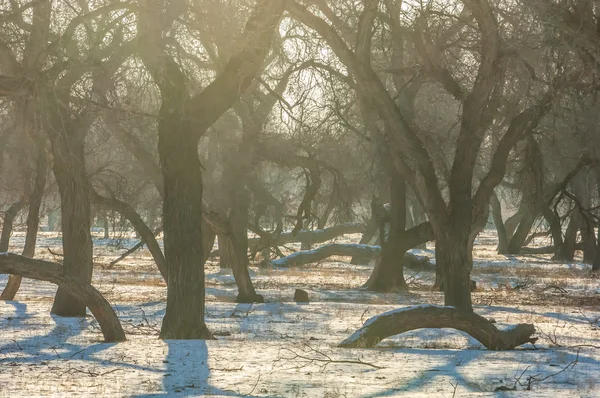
x=300 y=296
x=430 y=316
x=54 y=273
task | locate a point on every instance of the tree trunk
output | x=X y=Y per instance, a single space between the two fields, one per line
x=83 y=292
x=370 y=231
x=388 y=274
x=105 y=225
x=314 y=236
x=7 y=224
x=208 y=239
x=429 y=316
x=567 y=249
x=238 y=260
x=514 y=221
x=138 y=223
x=182 y=217
x=499 y=223
x=226 y=252
x=556 y=231
x=522 y=231
x=33 y=219
x=321 y=253
x=454 y=258
x=69 y=171
x=53 y=219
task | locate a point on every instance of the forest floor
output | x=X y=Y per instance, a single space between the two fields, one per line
x=284 y=349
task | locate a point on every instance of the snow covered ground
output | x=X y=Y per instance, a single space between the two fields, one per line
x=284 y=349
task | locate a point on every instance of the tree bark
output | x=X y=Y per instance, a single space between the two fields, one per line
x=388 y=274
x=454 y=262
x=227 y=247
x=499 y=223
x=370 y=231
x=428 y=316
x=73 y=185
x=567 y=249
x=7 y=224
x=33 y=218
x=82 y=292
x=182 y=212
x=522 y=230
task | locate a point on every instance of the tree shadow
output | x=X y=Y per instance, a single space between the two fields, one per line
x=187 y=372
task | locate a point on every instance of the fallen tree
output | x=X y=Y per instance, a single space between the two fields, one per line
x=52 y=272
x=544 y=249
x=432 y=316
x=305 y=236
x=340 y=249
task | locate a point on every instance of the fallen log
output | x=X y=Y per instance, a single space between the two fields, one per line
x=432 y=316
x=341 y=249
x=52 y=272
x=304 y=236
x=544 y=249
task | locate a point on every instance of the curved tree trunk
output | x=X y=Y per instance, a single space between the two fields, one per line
x=138 y=223
x=429 y=316
x=83 y=292
x=33 y=219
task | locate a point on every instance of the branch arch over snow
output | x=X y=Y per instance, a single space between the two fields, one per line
x=51 y=272
x=366 y=252
x=431 y=316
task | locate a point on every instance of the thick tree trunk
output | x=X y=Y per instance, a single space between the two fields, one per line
x=454 y=258
x=73 y=185
x=181 y=122
x=33 y=219
x=83 y=292
x=388 y=274
x=429 y=316
x=182 y=218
